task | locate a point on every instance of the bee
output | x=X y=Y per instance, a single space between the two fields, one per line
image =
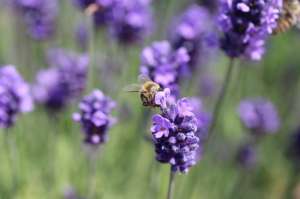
x=289 y=17
x=147 y=90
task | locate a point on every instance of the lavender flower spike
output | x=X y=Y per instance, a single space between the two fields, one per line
x=163 y=65
x=259 y=115
x=174 y=133
x=246 y=25
x=131 y=20
x=95 y=117
x=247 y=157
x=14 y=96
x=39 y=16
x=191 y=33
x=63 y=81
x=83 y=4
x=102 y=14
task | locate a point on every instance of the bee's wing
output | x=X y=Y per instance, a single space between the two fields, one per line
x=143 y=79
x=132 y=88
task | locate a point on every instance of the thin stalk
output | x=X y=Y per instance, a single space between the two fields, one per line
x=92 y=172
x=221 y=97
x=12 y=150
x=91 y=70
x=292 y=183
x=239 y=184
x=171 y=185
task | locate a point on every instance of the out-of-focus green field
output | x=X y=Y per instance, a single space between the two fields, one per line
x=50 y=155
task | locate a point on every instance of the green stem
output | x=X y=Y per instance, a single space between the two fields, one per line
x=221 y=97
x=292 y=183
x=171 y=184
x=12 y=159
x=91 y=70
x=239 y=184
x=92 y=172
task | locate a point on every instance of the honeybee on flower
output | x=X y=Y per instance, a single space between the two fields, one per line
x=290 y=16
x=147 y=90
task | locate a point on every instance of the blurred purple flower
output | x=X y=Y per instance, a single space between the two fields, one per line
x=208 y=85
x=175 y=135
x=95 y=117
x=246 y=25
x=14 y=96
x=70 y=193
x=63 y=81
x=39 y=16
x=131 y=20
x=212 y=5
x=128 y=20
x=192 y=31
x=247 y=157
x=103 y=14
x=164 y=65
x=83 y=4
x=259 y=115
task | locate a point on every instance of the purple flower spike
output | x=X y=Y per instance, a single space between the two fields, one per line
x=131 y=20
x=160 y=127
x=63 y=81
x=39 y=17
x=14 y=96
x=103 y=14
x=212 y=5
x=163 y=65
x=246 y=25
x=259 y=115
x=174 y=134
x=192 y=34
x=95 y=117
x=247 y=157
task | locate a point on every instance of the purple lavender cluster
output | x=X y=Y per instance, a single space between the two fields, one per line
x=259 y=115
x=83 y=4
x=212 y=5
x=191 y=31
x=164 y=65
x=176 y=132
x=95 y=117
x=132 y=20
x=128 y=20
x=247 y=156
x=246 y=25
x=103 y=14
x=15 y=96
x=39 y=16
x=64 y=80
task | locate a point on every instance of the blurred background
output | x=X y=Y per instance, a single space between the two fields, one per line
x=51 y=161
